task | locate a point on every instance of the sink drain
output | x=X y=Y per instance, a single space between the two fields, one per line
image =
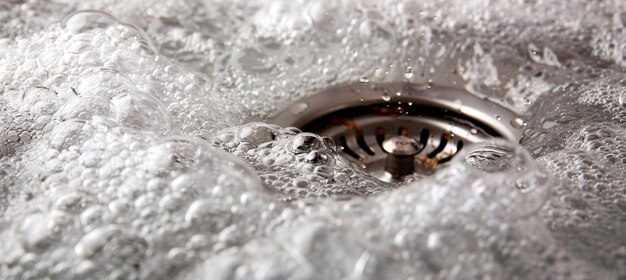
x=398 y=130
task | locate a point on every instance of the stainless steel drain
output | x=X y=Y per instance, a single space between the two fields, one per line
x=399 y=130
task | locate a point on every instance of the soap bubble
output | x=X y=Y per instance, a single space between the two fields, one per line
x=39 y=101
x=319 y=157
x=209 y=215
x=83 y=108
x=304 y=143
x=140 y=111
x=68 y=133
x=173 y=154
x=103 y=82
x=256 y=133
x=83 y=21
x=514 y=183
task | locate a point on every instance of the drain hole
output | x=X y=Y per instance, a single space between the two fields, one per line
x=459 y=146
x=345 y=149
x=442 y=145
x=380 y=136
x=444 y=160
x=360 y=139
x=424 y=137
x=403 y=131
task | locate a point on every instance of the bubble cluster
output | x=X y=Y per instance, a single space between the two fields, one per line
x=297 y=164
x=127 y=151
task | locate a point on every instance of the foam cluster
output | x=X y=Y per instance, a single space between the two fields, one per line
x=126 y=150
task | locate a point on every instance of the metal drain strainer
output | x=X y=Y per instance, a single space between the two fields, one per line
x=396 y=130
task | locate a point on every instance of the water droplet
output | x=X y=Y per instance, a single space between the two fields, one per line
x=534 y=53
x=408 y=72
x=517 y=122
x=364 y=79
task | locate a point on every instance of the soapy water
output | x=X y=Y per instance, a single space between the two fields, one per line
x=127 y=151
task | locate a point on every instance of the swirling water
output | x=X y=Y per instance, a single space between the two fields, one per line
x=126 y=150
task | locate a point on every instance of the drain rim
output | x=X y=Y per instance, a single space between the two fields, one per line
x=307 y=109
x=448 y=112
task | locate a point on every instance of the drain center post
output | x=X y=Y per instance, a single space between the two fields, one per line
x=401 y=151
